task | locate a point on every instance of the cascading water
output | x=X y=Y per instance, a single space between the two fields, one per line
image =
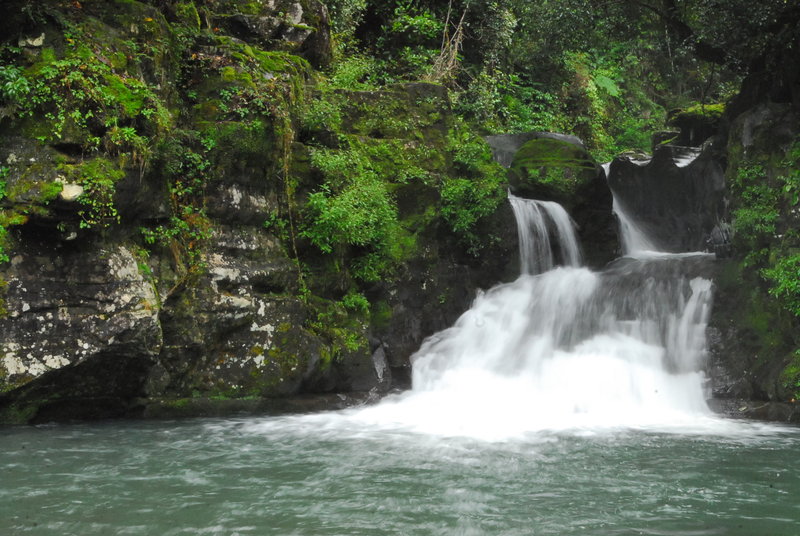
x=565 y=348
x=634 y=240
x=535 y=219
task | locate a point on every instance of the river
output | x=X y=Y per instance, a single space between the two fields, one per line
x=326 y=474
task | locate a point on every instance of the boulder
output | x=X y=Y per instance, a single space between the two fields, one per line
x=557 y=167
x=74 y=311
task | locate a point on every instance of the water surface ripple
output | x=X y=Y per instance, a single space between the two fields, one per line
x=329 y=475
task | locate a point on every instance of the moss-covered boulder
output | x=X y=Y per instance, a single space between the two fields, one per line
x=557 y=167
x=695 y=123
x=551 y=167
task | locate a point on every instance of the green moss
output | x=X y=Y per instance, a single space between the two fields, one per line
x=3 y=286
x=700 y=111
x=130 y=97
x=381 y=315
x=178 y=403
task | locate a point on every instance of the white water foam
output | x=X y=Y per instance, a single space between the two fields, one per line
x=685 y=156
x=567 y=350
x=544 y=353
x=635 y=243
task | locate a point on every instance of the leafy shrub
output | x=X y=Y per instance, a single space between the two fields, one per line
x=784 y=279
x=475 y=194
x=361 y=214
x=14 y=87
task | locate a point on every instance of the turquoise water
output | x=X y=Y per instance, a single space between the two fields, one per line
x=326 y=474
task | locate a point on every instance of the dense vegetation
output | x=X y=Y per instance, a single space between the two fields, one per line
x=346 y=142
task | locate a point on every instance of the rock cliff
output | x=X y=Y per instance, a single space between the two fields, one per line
x=177 y=237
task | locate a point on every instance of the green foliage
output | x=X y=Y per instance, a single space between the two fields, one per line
x=768 y=204
x=360 y=214
x=3 y=244
x=413 y=35
x=3 y=231
x=355 y=301
x=356 y=72
x=82 y=97
x=345 y=16
x=342 y=323
x=755 y=220
x=184 y=161
x=353 y=215
x=476 y=192
x=98 y=177
x=791 y=376
x=14 y=87
x=765 y=193
x=784 y=279
x=277 y=225
x=322 y=114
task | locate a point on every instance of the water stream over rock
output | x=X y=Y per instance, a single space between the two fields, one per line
x=563 y=347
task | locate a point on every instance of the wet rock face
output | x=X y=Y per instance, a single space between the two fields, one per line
x=140 y=279
x=238 y=329
x=677 y=196
x=70 y=307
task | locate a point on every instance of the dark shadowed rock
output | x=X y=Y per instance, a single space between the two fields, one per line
x=677 y=196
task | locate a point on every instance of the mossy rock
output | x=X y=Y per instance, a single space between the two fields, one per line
x=697 y=123
x=551 y=169
x=298 y=26
x=407 y=111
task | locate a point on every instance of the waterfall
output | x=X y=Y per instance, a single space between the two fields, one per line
x=634 y=240
x=565 y=347
x=536 y=222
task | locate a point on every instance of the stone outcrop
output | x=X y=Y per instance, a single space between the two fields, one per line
x=677 y=196
x=300 y=26
x=160 y=250
x=557 y=167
